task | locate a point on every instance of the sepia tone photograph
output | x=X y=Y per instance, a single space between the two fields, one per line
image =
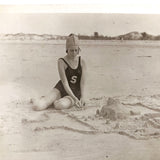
x=79 y=86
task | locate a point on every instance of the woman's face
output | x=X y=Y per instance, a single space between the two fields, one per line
x=73 y=51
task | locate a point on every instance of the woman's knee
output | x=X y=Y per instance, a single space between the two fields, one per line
x=63 y=103
x=45 y=101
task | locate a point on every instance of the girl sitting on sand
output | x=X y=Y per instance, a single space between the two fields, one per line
x=69 y=91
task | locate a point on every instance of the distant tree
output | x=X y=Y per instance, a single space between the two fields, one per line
x=96 y=35
x=85 y=37
x=144 y=34
x=157 y=38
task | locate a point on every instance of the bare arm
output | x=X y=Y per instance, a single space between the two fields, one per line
x=61 y=69
x=83 y=79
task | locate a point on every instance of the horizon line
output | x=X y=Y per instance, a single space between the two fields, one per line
x=100 y=34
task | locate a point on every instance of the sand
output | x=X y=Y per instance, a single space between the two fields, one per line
x=85 y=134
x=77 y=134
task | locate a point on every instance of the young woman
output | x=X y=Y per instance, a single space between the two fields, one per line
x=69 y=91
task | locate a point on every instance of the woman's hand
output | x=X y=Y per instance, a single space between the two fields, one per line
x=77 y=102
x=83 y=102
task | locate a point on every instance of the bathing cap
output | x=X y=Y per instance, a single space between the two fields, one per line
x=72 y=40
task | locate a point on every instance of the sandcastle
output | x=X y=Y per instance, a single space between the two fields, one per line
x=114 y=110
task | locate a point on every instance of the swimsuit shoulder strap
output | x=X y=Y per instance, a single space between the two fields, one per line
x=65 y=61
x=79 y=63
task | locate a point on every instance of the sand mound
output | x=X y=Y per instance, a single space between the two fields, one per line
x=114 y=110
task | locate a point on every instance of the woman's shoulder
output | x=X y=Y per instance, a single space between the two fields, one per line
x=82 y=60
x=62 y=62
x=61 y=58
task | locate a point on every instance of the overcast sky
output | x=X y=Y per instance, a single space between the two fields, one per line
x=79 y=23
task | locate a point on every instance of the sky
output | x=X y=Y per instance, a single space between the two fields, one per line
x=79 y=23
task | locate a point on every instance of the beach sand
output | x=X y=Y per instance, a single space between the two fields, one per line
x=28 y=70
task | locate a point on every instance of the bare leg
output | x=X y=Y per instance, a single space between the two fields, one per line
x=45 y=101
x=64 y=103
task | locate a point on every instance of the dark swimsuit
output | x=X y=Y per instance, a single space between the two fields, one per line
x=74 y=78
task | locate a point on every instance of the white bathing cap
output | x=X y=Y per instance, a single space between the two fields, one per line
x=72 y=40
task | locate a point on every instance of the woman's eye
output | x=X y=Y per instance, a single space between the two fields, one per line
x=74 y=50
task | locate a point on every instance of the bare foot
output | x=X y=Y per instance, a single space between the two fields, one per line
x=39 y=104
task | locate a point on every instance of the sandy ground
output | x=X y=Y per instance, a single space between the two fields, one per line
x=26 y=72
